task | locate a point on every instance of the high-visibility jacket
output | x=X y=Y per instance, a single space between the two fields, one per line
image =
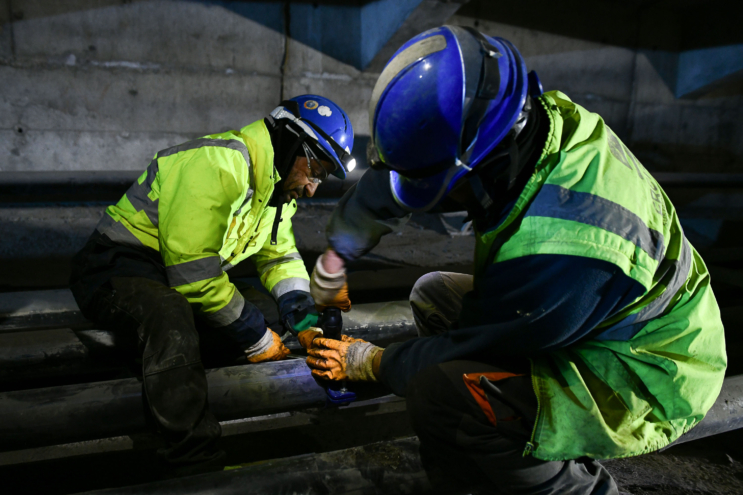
x=203 y=205
x=640 y=378
x=650 y=372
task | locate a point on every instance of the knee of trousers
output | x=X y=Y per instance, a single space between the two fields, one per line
x=425 y=290
x=165 y=317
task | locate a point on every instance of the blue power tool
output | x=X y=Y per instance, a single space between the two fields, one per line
x=331 y=323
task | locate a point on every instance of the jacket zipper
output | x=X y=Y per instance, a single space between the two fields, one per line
x=275 y=228
x=530 y=444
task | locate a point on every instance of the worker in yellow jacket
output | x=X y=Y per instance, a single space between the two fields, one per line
x=159 y=256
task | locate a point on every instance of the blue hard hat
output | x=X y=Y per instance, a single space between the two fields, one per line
x=325 y=124
x=443 y=102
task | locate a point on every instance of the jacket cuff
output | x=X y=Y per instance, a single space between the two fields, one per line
x=248 y=328
x=297 y=309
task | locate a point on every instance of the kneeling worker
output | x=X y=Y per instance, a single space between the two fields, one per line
x=589 y=330
x=159 y=256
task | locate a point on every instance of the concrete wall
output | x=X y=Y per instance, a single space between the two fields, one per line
x=104 y=84
x=621 y=61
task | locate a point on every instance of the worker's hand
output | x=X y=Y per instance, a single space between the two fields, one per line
x=269 y=348
x=306 y=337
x=346 y=359
x=329 y=289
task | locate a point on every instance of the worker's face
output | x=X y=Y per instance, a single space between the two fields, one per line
x=303 y=179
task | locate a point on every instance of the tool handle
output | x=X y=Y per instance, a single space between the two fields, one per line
x=331 y=323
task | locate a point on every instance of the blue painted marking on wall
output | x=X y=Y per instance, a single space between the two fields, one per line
x=700 y=68
x=269 y=14
x=379 y=21
x=351 y=34
x=333 y=30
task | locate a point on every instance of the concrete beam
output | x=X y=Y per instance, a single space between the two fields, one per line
x=194 y=35
x=427 y=15
x=71 y=413
x=63 y=354
x=397 y=464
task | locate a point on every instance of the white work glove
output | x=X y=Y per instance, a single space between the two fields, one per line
x=329 y=289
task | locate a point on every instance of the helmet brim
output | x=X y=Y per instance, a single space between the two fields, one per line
x=420 y=195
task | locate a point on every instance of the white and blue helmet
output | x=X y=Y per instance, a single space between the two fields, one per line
x=323 y=123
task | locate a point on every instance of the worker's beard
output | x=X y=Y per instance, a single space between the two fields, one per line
x=288 y=195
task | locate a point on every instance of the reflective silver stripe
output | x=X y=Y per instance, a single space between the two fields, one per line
x=279 y=113
x=554 y=201
x=406 y=57
x=194 y=271
x=264 y=267
x=229 y=313
x=117 y=232
x=290 y=284
x=232 y=144
x=137 y=194
x=674 y=278
x=247 y=199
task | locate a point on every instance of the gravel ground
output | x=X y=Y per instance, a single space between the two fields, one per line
x=711 y=466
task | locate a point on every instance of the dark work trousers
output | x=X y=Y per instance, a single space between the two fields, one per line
x=462 y=449
x=125 y=290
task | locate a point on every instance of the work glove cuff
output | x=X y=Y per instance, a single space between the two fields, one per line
x=263 y=345
x=360 y=361
x=325 y=280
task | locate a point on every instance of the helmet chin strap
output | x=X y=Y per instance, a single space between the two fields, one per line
x=499 y=172
x=287 y=143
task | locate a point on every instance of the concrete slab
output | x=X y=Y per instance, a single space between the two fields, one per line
x=427 y=15
x=656 y=122
x=530 y=42
x=37 y=232
x=653 y=74
x=125 y=100
x=604 y=72
x=171 y=33
x=6 y=32
x=351 y=94
x=82 y=150
x=38 y=309
x=568 y=64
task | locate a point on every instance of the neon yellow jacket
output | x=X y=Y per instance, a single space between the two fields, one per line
x=203 y=205
x=653 y=370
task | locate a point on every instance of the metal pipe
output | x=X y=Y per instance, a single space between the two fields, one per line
x=60 y=353
x=73 y=413
x=386 y=467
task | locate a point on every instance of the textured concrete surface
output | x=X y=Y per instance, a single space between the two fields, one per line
x=97 y=85
x=626 y=86
x=37 y=242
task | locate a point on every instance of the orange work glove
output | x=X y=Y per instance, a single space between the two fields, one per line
x=329 y=289
x=305 y=337
x=346 y=359
x=269 y=348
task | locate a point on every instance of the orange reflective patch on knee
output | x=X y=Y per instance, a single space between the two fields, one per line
x=472 y=382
